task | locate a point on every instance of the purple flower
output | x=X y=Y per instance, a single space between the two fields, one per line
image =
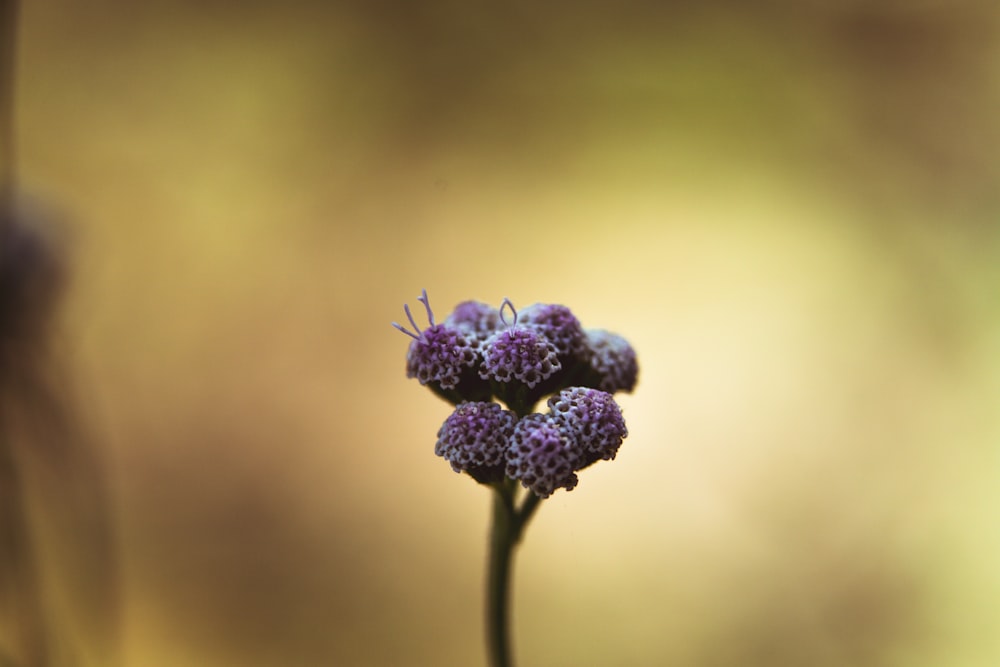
x=481 y=353
x=518 y=353
x=475 y=316
x=438 y=353
x=613 y=360
x=541 y=455
x=475 y=439
x=593 y=419
x=558 y=325
x=477 y=320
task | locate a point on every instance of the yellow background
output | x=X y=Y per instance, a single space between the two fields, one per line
x=790 y=209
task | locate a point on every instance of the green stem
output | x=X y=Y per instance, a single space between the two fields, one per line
x=498 y=581
x=527 y=510
x=508 y=526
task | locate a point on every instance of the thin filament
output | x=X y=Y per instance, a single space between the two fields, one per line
x=406 y=331
x=406 y=307
x=508 y=304
x=427 y=304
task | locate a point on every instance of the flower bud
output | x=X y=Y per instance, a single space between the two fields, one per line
x=541 y=455
x=613 y=363
x=518 y=354
x=475 y=438
x=557 y=324
x=594 y=421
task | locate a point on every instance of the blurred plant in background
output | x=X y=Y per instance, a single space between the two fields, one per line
x=58 y=558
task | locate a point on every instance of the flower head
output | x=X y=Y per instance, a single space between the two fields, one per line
x=518 y=353
x=612 y=360
x=477 y=320
x=558 y=325
x=475 y=438
x=475 y=316
x=593 y=419
x=541 y=455
x=438 y=353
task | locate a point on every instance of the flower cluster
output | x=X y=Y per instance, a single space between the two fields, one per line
x=480 y=354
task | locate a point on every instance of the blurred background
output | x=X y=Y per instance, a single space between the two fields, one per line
x=791 y=209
